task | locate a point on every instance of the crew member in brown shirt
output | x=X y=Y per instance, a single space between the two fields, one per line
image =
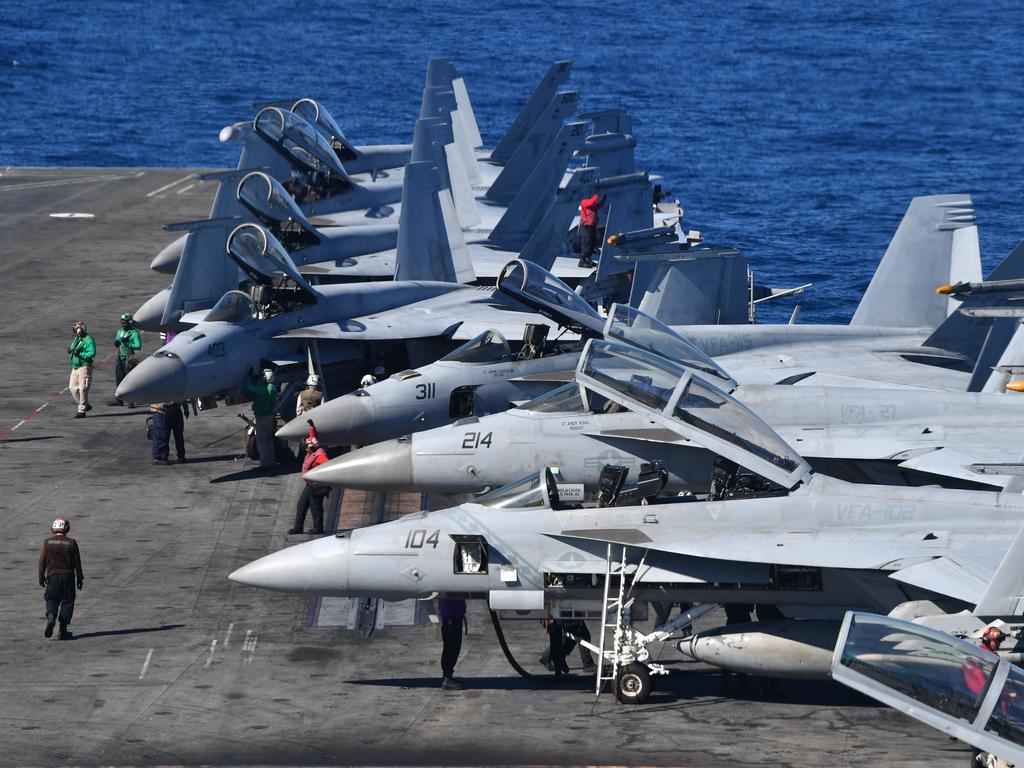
x=60 y=569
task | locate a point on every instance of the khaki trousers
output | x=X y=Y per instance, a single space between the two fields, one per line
x=81 y=380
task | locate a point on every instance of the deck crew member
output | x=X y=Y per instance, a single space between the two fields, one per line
x=310 y=397
x=589 y=207
x=127 y=342
x=313 y=494
x=264 y=399
x=81 y=352
x=60 y=569
x=453 y=619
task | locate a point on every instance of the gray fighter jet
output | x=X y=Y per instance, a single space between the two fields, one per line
x=890 y=436
x=775 y=534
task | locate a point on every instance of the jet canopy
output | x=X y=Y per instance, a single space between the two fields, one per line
x=641 y=330
x=563 y=399
x=537 y=288
x=677 y=399
x=298 y=139
x=317 y=115
x=270 y=202
x=536 y=490
x=487 y=347
x=232 y=307
x=259 y=254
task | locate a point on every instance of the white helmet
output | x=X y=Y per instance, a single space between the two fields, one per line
x=60 y=524
x=367 y=380
x=268 y=375
x=313 y=380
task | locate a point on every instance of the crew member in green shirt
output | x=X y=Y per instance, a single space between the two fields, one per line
x=264 y=398
x=81 y=352
x=127 y=342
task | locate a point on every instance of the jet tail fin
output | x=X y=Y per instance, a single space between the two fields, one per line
x=1005 y=339
x=935 y=244
x=629 y=202
x=430 y=242
x=546 y=241
x=964 y=334
x=557 y=75
x=533 y=148
x=525 y=212
x=204 y=272
x=1004 y=595
x=705 y=286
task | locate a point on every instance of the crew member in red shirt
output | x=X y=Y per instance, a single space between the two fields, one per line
x=313 y=494
x=589 y=206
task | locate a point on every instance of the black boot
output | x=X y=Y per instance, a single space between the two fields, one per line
x=64 y=633
x=50 y=621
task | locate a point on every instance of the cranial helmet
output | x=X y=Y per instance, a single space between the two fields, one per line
x=126 y=318
x=312 y=443
x=367 y=380
x=268 y=375
x=313 y=380
x=60 y=524
x=993 y=633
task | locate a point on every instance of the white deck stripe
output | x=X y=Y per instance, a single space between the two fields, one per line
x=168 y=186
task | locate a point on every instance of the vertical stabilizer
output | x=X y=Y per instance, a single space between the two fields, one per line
x=557 y=76
x=548 y=238
x=205 y=273
x=967 y=335
x=465 y=107
x=936 y=244
x=613 y=153
x=434 y=142
x=538 y=193
x=629 y=208
x=532 y=149
x=1011 y=358
x=704 y=287
x=430 y=242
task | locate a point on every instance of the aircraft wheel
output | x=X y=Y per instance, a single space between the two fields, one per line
x=634 y=684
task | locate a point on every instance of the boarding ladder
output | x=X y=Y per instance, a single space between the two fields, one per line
x=618 y=606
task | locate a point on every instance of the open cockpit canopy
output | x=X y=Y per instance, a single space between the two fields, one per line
x=259 y=254
x=316 y=114
x=537 y=288
x=232 y=307
x=639 y=329
x=269 y=201
x=676 y=398
x=296 y=137
x=487 y=347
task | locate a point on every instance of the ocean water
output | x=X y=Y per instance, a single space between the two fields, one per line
x=796 y=131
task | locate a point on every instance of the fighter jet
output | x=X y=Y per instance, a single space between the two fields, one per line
x=891 y=436
x=776 y=533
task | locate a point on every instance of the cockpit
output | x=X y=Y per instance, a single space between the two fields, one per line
x=318 y=116
x=537 y=288
x=564 y=399
x=536 y=490
x=233 y=307
x=680 y=400
x=276 y=285
x=271 y=203
x=308 y=150
x=641 y=330
x=487 y=347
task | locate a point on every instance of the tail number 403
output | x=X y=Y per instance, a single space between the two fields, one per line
x=472 y=440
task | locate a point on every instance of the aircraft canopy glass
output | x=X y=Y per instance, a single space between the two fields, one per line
x=316 y=114
x=265 y=197
x=260 y=254
x=699 y=410
x=563 y=399
x=540 y=289
x=640 y=329
x=232 y=307
x=487 y=347
x=298 y=137
x=938 y=670
x=529 y=491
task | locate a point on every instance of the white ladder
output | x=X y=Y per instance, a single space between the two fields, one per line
x=609 y=605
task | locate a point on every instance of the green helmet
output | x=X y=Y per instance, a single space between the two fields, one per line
x=126 y=318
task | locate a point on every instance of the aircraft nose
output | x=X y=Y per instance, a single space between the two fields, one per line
x=346 y=420
x=167 y=260
x=384 y=466
x=149 y=315
x=318 y=567
x=157 y=379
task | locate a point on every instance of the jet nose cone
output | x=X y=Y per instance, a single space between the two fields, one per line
x=157 y=379
x=318 y=567
x=167 y=260
x=382 y=467
x=346 y=420
x=149 y=316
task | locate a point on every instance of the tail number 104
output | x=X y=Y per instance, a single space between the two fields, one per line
x=416 y=539
x=476 y=440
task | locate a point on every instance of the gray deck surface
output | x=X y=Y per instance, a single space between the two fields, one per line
x=175 y=664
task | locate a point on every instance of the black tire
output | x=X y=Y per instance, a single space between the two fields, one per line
x=634 y=684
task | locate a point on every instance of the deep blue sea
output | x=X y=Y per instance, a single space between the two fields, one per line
x=797 y=131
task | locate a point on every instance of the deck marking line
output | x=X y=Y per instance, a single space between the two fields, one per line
x=213 y=647
x=227 y=636
x=145 y=664
x=168 y=186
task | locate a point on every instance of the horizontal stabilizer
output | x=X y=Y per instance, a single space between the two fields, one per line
x=944 y=576
x=936 y=244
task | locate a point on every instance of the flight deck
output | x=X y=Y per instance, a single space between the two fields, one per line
x=172 y=663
